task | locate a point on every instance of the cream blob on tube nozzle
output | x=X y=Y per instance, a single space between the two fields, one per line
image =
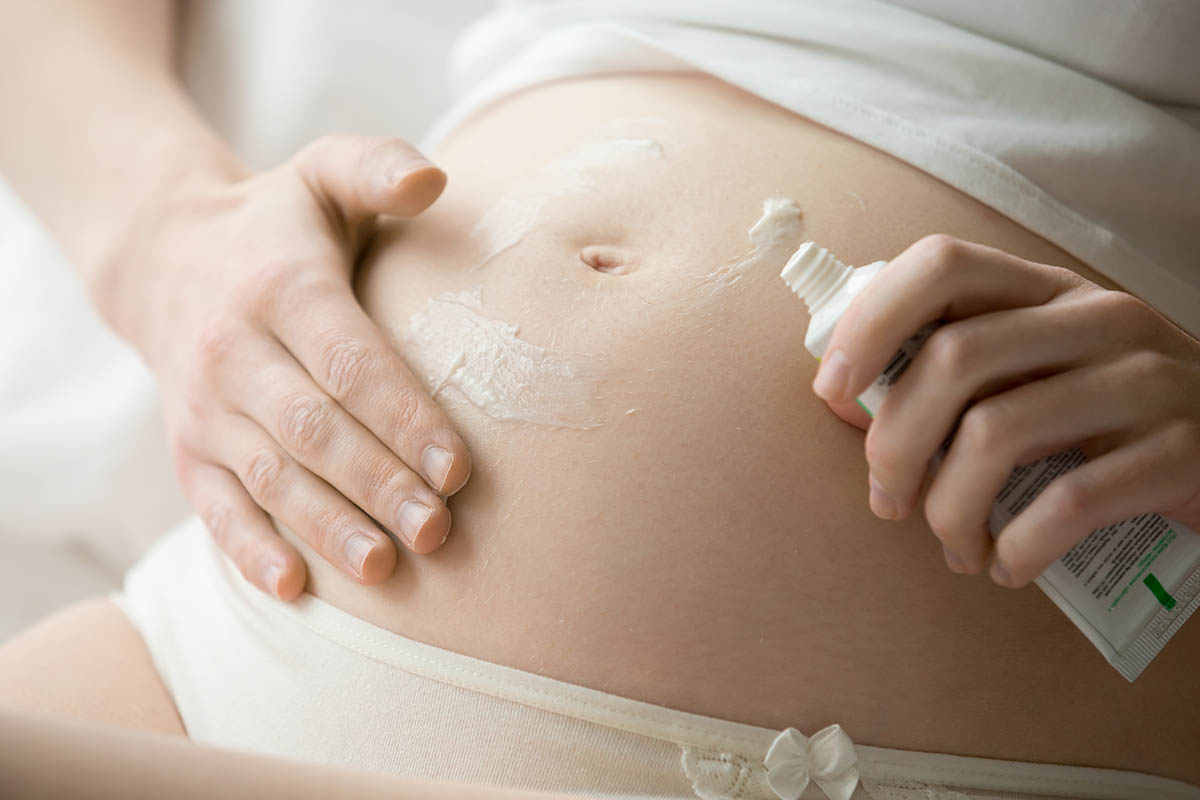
x=1129 y=586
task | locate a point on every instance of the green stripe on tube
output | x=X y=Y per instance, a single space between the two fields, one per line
x=1162 y=594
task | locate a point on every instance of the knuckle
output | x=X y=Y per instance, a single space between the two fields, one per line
x=329 y=527
x=266 y=285
x=952 y=349
x=262 y=473
x=986 y=426
x=1183 y=438
x=946 y=525
x=1124 y=309
x=1150 y=368
x=310 y=290
x=221 y=523
x=382 y=483
x=195 y=408
x=406 y=409
x=1026 y=557
x=1015 y=556
x=881 y=455
x=213 y=346
x=304 y=422
x=346 y=362
x=1068 y=499
x=1069 y=281
x=218 y=518
x=1136 y=320
x=939 y=252
x=196 y=401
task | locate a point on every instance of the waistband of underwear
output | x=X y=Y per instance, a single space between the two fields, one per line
x=689 y=731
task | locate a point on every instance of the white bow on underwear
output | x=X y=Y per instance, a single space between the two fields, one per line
x=827 y=757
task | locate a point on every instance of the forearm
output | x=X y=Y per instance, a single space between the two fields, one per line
x=96 y=128
x=45 y=757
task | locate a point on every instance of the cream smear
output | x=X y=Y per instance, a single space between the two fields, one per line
x=773 y=238
x=518 y=209
x=457 y=349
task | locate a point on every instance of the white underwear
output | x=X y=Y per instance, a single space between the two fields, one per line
x=311 y=682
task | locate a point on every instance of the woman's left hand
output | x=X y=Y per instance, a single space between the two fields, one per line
x=1032 y=360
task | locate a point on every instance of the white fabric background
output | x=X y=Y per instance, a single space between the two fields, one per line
x=85 y=480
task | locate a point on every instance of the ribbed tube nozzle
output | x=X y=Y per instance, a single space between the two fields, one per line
x=815 y=275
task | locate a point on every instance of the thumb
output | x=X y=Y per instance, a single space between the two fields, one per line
x=363 y=176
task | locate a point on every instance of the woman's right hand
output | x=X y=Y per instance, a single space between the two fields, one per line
x=1031 y=360
x=282 y=397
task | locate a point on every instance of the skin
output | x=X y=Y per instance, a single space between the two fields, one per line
x=281 y=397
x=713 y=551
x=121 y=686
x=47 y=757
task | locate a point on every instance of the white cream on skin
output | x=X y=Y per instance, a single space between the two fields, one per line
x=773 y=238
x=518 y=209
x=456 y=349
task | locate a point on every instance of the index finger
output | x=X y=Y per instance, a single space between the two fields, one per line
x=328 y=332
x=938 y=278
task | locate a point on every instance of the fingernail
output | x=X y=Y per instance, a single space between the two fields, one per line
x=881 y=502
x=358 y=550
x=435 y=463
x=833 y=376
x=413 y=515
x=396 y=173
x=955 y=563
x=272 y=574
x=1000 y=574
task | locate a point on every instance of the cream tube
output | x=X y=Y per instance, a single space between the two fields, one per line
x=1128 y=586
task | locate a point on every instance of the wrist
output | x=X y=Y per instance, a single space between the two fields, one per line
x=120 y=264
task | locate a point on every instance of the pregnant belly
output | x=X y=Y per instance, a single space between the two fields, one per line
x=660 y=507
